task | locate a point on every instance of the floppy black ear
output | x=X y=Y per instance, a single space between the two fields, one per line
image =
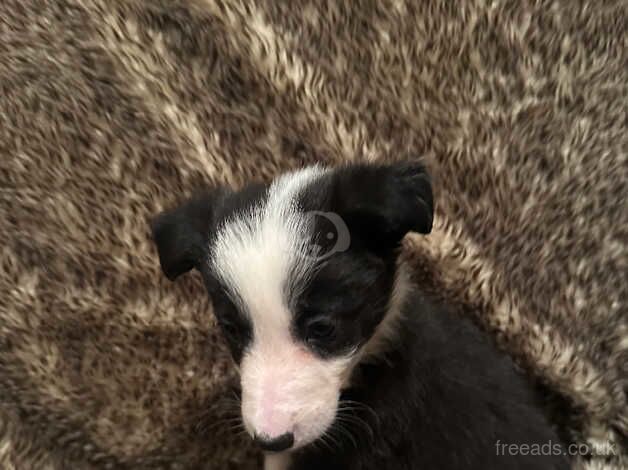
x=181 y=234
x=381 y=203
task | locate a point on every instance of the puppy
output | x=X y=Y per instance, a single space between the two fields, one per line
x=344 y=364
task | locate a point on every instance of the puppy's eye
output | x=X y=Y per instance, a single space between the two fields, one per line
x=229 y=328
x=320 y=330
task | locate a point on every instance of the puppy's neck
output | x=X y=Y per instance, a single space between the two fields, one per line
x=387 y=332
x=386 y=335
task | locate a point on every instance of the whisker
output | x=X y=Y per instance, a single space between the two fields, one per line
x=352 y=419
x=329 y=435
x=323 y=440
x=361 y=406
x=346 y=433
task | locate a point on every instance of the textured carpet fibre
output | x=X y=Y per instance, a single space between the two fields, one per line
x=112 y=110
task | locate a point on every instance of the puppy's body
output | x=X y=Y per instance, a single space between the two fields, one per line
x=343 y=365
x=439 y=397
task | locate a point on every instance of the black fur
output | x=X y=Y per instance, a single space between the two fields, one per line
x=441 y=398
x=378 y=203
x=349 y=293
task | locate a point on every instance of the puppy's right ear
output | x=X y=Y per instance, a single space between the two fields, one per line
x=182 y=234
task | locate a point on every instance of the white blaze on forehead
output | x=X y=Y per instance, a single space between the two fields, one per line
x=257 y=253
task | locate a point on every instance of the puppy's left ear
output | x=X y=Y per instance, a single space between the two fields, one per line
x=182 y=234
x=381 y=203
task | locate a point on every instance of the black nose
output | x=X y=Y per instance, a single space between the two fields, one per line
x=275 y=444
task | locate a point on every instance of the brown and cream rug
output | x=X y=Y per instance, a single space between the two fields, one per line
x=111 y=110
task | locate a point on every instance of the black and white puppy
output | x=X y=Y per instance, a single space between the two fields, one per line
x=343 y=363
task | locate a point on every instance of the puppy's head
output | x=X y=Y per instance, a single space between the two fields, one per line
x=302 y=274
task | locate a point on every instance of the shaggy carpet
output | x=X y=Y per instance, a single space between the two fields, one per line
x=111 y=110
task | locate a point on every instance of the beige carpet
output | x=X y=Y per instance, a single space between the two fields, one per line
x=111 y=110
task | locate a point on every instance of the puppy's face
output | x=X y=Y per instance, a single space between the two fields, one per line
x=301 y=273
